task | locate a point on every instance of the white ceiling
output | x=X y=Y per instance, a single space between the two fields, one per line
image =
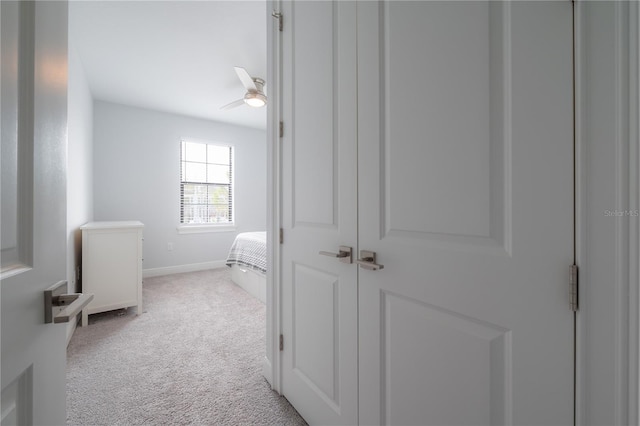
x=172 y=56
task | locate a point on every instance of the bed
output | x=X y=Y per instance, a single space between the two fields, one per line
x=248 y=262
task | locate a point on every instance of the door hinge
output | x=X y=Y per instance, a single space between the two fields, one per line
x=281 y=342
x=281 y=236
x=281 y=130
x=573 y=287
x=278 y=16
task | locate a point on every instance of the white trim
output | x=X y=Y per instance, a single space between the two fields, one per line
x=267 y=370
x=178 y=269
x=187 y=228
x=272 y=366
x=633 y=412
x=201 y=229
x=580 y=210
x=622 y=240
x=625 y=312
x=207 y=141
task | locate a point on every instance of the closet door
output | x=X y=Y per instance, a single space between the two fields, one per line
x=319 y=292
x=465 y=183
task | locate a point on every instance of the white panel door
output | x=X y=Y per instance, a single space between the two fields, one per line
x=319 y=293
x=34 y=131
x=465 y=158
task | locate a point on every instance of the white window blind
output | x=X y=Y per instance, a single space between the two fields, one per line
x=206 y=183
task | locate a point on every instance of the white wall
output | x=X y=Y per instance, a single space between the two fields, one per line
x=79 y=163
x=137 y=177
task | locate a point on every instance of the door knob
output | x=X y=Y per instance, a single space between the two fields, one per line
x=344 y=254
x=69 y=305
x=368 y=260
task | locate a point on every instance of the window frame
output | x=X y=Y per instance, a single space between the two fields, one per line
x=190 y=228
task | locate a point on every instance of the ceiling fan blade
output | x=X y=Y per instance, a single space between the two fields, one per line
x=246 y=79
x=233 y=104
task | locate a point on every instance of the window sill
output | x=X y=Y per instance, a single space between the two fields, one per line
x=201 y=229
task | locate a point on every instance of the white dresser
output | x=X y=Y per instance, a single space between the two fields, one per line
x=112 y=266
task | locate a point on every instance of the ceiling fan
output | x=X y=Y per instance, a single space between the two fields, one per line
x=255 y=96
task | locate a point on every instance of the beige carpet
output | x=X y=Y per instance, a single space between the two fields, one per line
x=193 y=357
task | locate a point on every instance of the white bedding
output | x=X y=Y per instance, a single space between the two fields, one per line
x=249 y=250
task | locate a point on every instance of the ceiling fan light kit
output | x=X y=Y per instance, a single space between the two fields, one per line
x=255 y=96
x=255 y=100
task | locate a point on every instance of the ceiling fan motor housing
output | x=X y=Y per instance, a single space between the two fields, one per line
x=259 y=84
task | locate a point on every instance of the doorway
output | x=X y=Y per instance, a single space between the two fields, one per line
x=137 y=144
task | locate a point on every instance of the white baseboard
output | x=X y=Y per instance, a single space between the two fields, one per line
x=267 y=370
x=178 y=269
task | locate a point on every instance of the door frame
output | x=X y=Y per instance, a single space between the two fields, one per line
x=621 y=400
x=634 y=204
x=627 y=319
x=272 y=367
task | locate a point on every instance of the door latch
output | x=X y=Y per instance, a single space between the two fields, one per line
x=368 y=260
x=344 y=254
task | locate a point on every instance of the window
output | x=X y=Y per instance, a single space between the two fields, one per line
x=206 y=183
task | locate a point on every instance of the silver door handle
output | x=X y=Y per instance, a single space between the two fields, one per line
x=344 y=254
x=368 y=261
x=69 y=304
